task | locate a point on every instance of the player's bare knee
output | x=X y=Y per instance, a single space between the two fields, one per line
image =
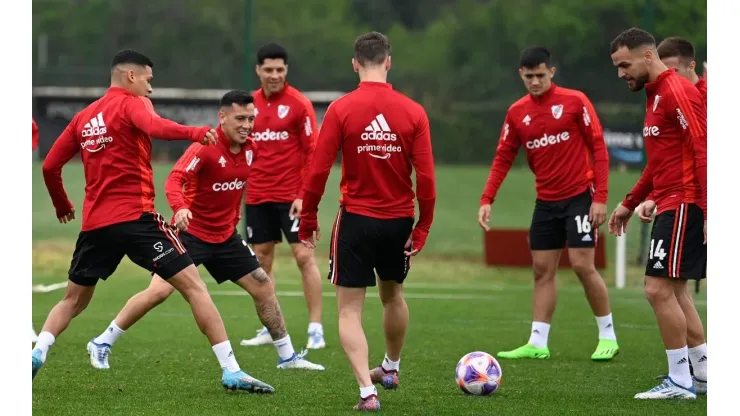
x=260 y=285
x=543 y=272
x=657 y=291
x=585 y=271
x=160 y=293
x=265 y=258
x=391 y=293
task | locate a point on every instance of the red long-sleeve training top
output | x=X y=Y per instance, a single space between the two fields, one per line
x=113 y=135
x=209 y=181
x=383 y=135
x=675 y=132
x=564 y=142
x=285 y=129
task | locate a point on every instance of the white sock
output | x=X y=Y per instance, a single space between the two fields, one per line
x=606 y=327
x=698 y=356
x=284 y=348
x=315 y=327
x=389 y=365
x=46 y=340
x=366 y=392
x=226 y=357
x=540 y=332
x=110 y=335
x=678 y=366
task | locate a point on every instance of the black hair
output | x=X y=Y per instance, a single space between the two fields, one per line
x=238 y=97
x=272 y=51
x=130 y=56
x=534 y=56
x=676 y=47
x=632 y=39
x=372 y=48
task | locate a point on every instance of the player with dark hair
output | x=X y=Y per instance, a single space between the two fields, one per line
x=564 y=143
x=678 y=53
x=285 y=128
x=382 y=135
x=34 y=143
x=114 y=136
x=205 y=190
x=676 y=173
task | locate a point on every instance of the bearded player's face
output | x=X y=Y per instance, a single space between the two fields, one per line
x=632 y=66
x=237 y=122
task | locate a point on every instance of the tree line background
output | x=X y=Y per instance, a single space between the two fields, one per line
x=458 y=58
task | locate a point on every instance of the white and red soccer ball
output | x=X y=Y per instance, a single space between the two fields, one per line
x=478 y=374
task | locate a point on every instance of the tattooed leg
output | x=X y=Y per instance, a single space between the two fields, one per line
x=260 y=286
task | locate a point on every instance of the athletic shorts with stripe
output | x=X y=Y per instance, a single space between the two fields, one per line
x=150 y=242
x=677 y=248
x=362 y=246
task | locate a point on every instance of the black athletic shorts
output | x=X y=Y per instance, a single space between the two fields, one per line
x=267 y=222
x=230 y=260
x=361 y=246
x=677 y=248
x=150 y=242
x=556 y=222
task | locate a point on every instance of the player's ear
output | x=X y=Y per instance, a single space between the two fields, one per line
x=355 y=65
x=388 y=63
x=221 y=117
x=131 y=76
x=257 y=69
x=553 y=70
x=692 y=66
x=521 y=73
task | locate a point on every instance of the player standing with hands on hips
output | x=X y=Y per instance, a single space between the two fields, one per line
x=564 y=143
x=382 y=135
x=285 y=131
x=118 y=217
x=675 y=133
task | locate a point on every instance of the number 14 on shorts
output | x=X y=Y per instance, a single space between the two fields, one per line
x=657 y=252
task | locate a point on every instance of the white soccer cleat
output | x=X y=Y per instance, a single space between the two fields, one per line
x=700 y=386
x=298 y=362
x=99 y=355
x=34 y=336
x=668 y=390
x=263 y=338
x=316 y=340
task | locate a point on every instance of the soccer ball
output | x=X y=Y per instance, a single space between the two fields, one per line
x=478 y=373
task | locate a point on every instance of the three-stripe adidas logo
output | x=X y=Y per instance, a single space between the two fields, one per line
x=379 y=130
x=94 y=127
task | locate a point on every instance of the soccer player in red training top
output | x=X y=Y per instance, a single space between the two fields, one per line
x=677 y=53
x=34 y=143
x=114 y=136
x=382 y=135
x=205 y=191
x=676 y=147
x=564 y=143
x=285 y=129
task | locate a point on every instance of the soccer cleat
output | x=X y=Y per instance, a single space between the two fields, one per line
x=606 y=350
x=240 y=380
x=668 y=390
x=36 y=362
x=34 y=337
x=371 y=404
x=389 y=379
x=700 y=386
x=99 y=355
x=315 y=340
x=526 y=351
x=298 y=362
x=263 y=338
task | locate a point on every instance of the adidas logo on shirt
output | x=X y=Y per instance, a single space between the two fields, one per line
x=378 y=130
x=94 y=127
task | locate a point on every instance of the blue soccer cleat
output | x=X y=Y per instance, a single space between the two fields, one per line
x=240 y=380
x=668 y=390
x=36 y=362
x=99 y=355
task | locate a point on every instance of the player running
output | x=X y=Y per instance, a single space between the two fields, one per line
x=564 y=143
x=677 y=53
x=205 y=191
x=382 y=134
x=676 y=172
x=285 y=128
x=114 y=136
x=34 y=143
